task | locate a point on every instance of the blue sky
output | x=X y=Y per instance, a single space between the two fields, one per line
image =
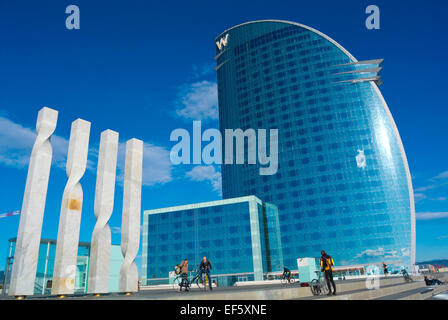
x=145 y=67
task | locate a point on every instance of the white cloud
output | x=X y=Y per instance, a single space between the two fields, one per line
x=115 y=229
x=201 y=70
x=419 y=197
x=436 y=182
x=199 y=101
x=442 y=237
x=439 y=199
x=156 y=164
x=428 y=187
x=206 y=173
x=430 y=215
x=16 y=144
x=441 y=176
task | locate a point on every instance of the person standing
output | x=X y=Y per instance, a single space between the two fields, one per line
x=205 y=267
x=326 y=264
x=385 y=269
x=184 y=274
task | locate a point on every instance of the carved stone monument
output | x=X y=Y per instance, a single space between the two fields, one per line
x=130 y=228
x=30 y=228
x=71 y=207
x=104 y=204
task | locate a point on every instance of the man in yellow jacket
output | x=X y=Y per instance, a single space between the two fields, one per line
x=326 y=266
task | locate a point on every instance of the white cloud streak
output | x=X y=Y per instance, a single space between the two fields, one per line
x=157 y=167
x=198 y=101
x=206 y=173
x=16 y=144
x=430 y=215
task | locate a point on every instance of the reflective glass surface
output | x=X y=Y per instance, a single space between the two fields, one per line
x=221 y=232
x=342 y=182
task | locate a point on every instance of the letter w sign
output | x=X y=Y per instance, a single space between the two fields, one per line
x=222 y=42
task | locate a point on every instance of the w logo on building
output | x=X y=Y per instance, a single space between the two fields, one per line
x=222 y=42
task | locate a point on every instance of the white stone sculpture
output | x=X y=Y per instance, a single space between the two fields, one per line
x=71 y=207
x=130 y=228
x=30 y=228
x=104 y=204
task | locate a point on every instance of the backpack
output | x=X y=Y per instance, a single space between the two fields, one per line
x=327 y=262
x=177 y=269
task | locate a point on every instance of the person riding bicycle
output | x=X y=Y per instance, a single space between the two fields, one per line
x=184 y=275
x=326 y=265
x=286 y=274
x=205 y=267
x=405 y=275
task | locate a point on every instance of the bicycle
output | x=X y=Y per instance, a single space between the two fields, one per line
x=406 y=276
x=201 y=283
x=289 y=279
x=318 y=286
x=196 y=280
x=180 y=282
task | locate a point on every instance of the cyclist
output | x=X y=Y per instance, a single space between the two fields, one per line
x=287 y=274
x=326 y=264
x=184 y=274
x=205 y=267
x=406 y=276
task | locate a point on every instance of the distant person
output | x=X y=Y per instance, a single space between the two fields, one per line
x=431 y=282
x=326 y=265
x=205 y=267
x=287 y=274
x=184 y=274
x=385 y=269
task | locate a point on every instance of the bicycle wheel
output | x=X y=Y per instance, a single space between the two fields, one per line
x=176 y=283
x=292 y=280
x=284 y=280
x=323 y=287
x=314 y=286
x=197 y=282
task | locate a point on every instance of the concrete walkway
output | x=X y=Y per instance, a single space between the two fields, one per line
x=392 y=288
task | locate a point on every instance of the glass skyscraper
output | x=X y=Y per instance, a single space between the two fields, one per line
x=343 y=183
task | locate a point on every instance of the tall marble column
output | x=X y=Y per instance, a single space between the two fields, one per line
x=71 y=207
x=30 y=228
x=130 y=227
x=104 y=204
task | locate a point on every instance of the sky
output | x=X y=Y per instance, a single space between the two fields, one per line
x=144 y=68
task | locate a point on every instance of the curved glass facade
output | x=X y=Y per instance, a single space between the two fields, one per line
x=343 y=183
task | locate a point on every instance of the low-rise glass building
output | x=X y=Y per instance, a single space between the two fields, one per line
x=45 y=267
x=239 y=236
